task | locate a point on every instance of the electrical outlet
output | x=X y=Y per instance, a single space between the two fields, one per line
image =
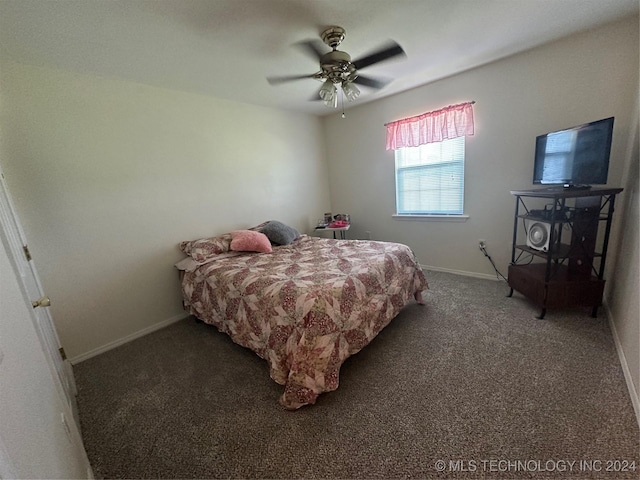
x=482 y=243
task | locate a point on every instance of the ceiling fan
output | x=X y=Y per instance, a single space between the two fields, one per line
x=337 y=68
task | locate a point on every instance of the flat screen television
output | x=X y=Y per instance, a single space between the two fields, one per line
x=575 y=157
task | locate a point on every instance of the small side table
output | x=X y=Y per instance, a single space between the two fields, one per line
x=340 y=233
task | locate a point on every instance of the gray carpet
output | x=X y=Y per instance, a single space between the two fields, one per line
x=472 y=378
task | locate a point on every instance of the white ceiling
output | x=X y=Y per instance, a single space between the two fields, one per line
x=226 y=48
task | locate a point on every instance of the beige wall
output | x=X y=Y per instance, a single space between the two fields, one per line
x=624 y=276
x=579 y=79
x=109 y=176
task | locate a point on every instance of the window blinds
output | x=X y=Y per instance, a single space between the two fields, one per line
x=430 y=178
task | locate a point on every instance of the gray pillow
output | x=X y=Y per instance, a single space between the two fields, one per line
x=280 y=234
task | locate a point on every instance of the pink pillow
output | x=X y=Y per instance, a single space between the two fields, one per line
x=250 y=241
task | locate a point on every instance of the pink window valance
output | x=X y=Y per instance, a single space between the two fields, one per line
x=449 y=122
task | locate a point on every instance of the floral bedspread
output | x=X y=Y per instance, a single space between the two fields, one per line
x=306 y=307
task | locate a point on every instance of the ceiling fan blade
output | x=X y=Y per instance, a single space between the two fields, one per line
x=372 y=82
x=313 y=48
x=287 y=78
x=392 y=49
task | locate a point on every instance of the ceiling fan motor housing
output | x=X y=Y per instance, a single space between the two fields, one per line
x=337 y=66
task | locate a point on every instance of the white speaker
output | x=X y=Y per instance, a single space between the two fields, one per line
x=538 y=234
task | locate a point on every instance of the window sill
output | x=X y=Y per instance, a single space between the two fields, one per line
x=433 y=218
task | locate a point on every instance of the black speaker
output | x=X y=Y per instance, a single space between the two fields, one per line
x=584 y=235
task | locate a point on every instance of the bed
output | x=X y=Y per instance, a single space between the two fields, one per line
x=304 y=307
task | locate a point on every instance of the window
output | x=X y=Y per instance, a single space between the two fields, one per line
x=429 y=154
x=430 y=178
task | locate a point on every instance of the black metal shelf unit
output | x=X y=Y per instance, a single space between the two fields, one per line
x=567 y=270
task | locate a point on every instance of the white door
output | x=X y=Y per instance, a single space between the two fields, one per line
x=43 y=322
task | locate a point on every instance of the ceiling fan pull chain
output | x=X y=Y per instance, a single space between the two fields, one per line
x=342 y=103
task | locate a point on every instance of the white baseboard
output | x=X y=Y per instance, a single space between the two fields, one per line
x=486 y=276
x=128 y=338
x=633 y=393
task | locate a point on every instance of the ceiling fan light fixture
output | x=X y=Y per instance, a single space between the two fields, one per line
x=350 y=91
x=329 y=94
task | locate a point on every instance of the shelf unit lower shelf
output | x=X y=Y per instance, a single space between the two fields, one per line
x=564 y=288
x=559 y=252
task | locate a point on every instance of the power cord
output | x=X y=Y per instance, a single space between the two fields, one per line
x=483 y=249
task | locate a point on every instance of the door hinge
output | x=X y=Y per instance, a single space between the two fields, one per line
x=62 y=353
x=27 y=253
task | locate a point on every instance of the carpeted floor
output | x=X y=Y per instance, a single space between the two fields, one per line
x=472 y=379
